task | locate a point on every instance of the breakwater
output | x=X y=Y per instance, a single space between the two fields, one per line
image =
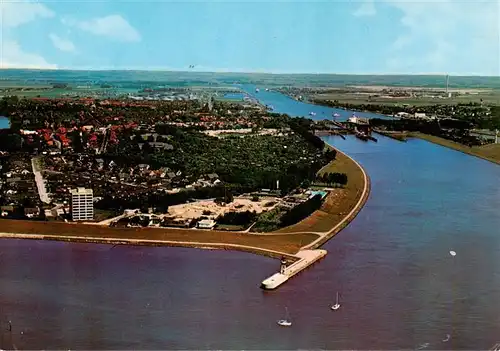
x=305 y=258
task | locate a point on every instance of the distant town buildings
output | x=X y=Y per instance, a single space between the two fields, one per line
x=82 y=206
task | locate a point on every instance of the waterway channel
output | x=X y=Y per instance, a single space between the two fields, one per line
x=399 y=286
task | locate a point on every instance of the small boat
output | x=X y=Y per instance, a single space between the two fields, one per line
x=337 y=304
x=267 y=89
x=285 y=322
x=453 y=253
x=312 y=113
x=257 y=90
x=336 y=115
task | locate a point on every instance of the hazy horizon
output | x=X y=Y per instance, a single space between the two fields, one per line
x=245 y=72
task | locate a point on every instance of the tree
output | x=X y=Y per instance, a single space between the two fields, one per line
x=301 y=211
x=147 y=149
x=11 y=142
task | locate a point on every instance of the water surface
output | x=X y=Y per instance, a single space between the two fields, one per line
x=399 y=285
x=4 y=122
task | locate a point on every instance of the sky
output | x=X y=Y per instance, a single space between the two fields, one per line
x=331 y=36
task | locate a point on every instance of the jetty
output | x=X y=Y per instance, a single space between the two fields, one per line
x=305 y=258
x=400 y=136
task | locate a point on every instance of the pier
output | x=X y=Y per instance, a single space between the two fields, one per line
x=305 y=259
x=400 y=136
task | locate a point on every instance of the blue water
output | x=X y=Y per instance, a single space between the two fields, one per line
x=4 y=122
x=285 y=104
x=399 y=285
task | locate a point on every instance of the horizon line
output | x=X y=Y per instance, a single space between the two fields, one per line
x=247 y=72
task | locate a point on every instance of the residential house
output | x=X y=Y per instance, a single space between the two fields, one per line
x=31 y=212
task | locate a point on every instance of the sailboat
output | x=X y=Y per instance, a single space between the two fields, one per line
x=285 y=322
x=337 y=305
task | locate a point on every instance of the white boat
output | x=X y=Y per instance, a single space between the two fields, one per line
x=312 y=113
x=337 y=304
x=336 y=115
x=257 y=90
x=285 y=322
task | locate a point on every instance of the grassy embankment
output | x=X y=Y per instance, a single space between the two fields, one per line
x=360 y=95
x=81 y=232
x=489 y=152
x=489 y=96
x=338 y=203
x=336 y=206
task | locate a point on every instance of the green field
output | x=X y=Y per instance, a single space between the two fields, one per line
x=137 y=78
x=488 y=97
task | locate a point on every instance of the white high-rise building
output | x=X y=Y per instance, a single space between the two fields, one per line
x=82 y=205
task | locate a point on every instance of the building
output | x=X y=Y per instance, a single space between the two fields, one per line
x=358 y=120
x=206 y=224
x=82 y=205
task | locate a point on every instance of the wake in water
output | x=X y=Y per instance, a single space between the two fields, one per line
x=426 y=345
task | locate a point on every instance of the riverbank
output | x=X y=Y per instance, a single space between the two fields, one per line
x=399 y=136
x=390 y=95
x=339 y=208
x=271 y=245
x=489 y=152
x=341 y=205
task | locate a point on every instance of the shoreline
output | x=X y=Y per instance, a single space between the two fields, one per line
x=274 y=244
x=471 y=151
x=351 y=215
x=317 y=103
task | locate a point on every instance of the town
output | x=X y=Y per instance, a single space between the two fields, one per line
x=180 y=163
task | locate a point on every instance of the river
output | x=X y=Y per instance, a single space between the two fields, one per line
x=284 y=104
x=399 y=286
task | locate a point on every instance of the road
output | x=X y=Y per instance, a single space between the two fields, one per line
x=40 y=184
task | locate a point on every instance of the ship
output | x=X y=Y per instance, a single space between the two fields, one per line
x=362 y=136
